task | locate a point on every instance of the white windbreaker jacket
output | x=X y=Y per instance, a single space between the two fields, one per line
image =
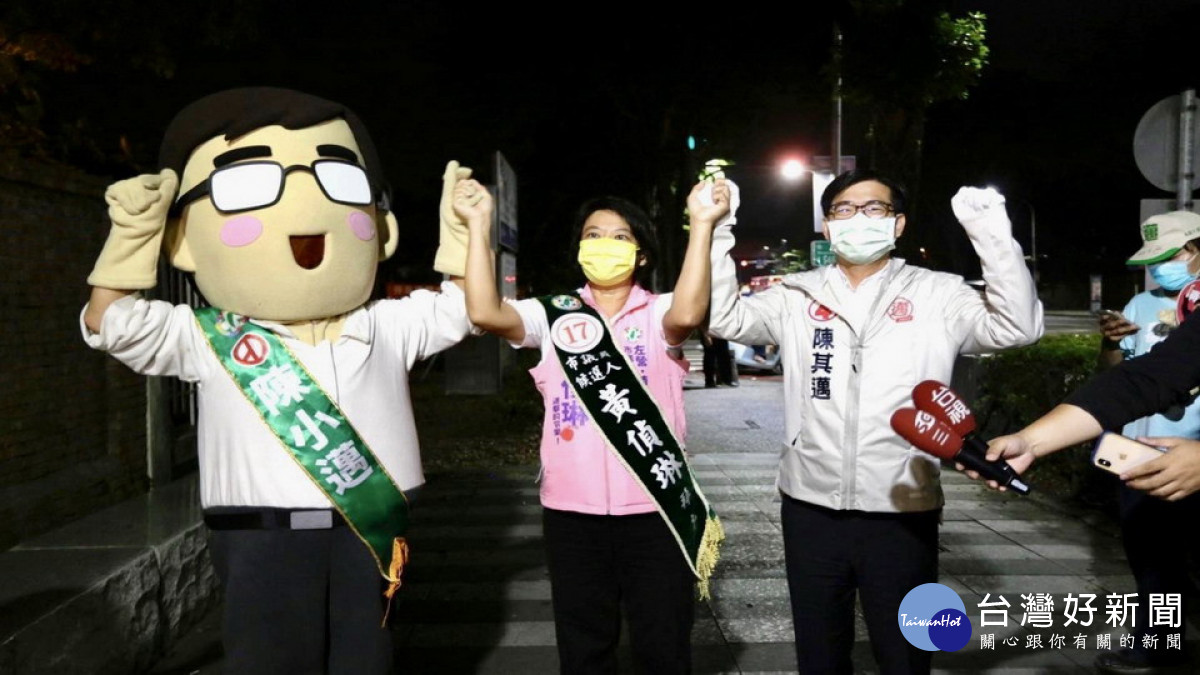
x=842 y=382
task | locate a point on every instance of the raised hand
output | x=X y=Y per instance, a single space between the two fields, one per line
x=452 y=234
x=708 y=202
x=970 y=203
x=140 y=204
x=472 y=202
x=138 y=210
x=450 y=179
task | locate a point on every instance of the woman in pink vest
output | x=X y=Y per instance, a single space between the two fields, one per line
x=609 y=544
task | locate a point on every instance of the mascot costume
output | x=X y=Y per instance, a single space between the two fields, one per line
x=276 y=202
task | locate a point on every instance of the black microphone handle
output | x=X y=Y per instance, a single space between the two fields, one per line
x=973 y=456
x=975 y=445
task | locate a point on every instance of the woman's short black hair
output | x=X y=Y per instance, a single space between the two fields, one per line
x=639 y=222
x=839 y=185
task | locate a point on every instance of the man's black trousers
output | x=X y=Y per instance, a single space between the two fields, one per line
x=830 y=555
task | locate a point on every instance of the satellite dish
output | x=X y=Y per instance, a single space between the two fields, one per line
x=1156 y=143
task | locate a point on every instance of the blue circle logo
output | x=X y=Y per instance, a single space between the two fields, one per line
x=932 y=617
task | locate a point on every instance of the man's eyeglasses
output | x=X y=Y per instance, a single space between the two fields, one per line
x=872 y=209
x=255 y=185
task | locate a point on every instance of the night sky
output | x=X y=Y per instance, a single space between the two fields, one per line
x=597 y=100
x=1052 y=123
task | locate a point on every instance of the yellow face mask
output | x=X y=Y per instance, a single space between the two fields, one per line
x=607 y=261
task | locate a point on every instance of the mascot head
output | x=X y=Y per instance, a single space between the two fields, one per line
x=282 y=211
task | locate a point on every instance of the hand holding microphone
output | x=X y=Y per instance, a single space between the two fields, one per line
x=946 y=405
x=937 y=438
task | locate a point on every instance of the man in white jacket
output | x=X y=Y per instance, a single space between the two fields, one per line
x=860 y=504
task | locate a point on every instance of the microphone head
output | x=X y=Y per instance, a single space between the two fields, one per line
x=1189 y=299
x=942 y=402
x=927 y=433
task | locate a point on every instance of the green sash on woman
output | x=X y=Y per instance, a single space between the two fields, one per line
x=634 y=428
x=316 y=433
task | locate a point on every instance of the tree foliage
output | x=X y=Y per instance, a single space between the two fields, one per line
x=23 y=57
x=75 y=76
x=1017 y=386
x=792 y=260
x=898 y=57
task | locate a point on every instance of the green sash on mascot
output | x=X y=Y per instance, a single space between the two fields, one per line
x=316 y=433
x=634 y=428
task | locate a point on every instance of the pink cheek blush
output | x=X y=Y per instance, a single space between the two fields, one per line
x=241 y=231
x=361 y=225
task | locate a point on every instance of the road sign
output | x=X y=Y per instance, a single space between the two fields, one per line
x=1156 y=143
x=820 y=253
x=506 y=207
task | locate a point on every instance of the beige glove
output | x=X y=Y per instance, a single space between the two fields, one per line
x=138 y=209
x=451 y=255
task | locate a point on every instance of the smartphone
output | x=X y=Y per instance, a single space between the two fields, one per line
x=1108 y=314
x=1115 y=453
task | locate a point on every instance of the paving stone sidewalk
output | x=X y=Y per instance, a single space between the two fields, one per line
x=478 y=598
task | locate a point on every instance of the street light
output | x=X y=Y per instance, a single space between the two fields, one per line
x=792 y=170
x=787 y=175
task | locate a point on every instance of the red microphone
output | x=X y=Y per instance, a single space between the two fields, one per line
x=943 y=403
x=1189 y=299
x=935 y=437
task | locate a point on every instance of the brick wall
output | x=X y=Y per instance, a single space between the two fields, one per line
x=72 y=420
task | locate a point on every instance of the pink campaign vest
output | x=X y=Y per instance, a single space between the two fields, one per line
x=580 y=473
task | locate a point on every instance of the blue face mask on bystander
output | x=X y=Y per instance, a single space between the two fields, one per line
x=1172 y=275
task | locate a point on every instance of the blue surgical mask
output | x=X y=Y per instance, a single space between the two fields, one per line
x=1172 y=275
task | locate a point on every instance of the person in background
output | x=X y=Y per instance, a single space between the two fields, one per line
x=1158 y=558
x=719 y=369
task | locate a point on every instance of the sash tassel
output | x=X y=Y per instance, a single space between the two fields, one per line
x=709 y=554
x=394 y=574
